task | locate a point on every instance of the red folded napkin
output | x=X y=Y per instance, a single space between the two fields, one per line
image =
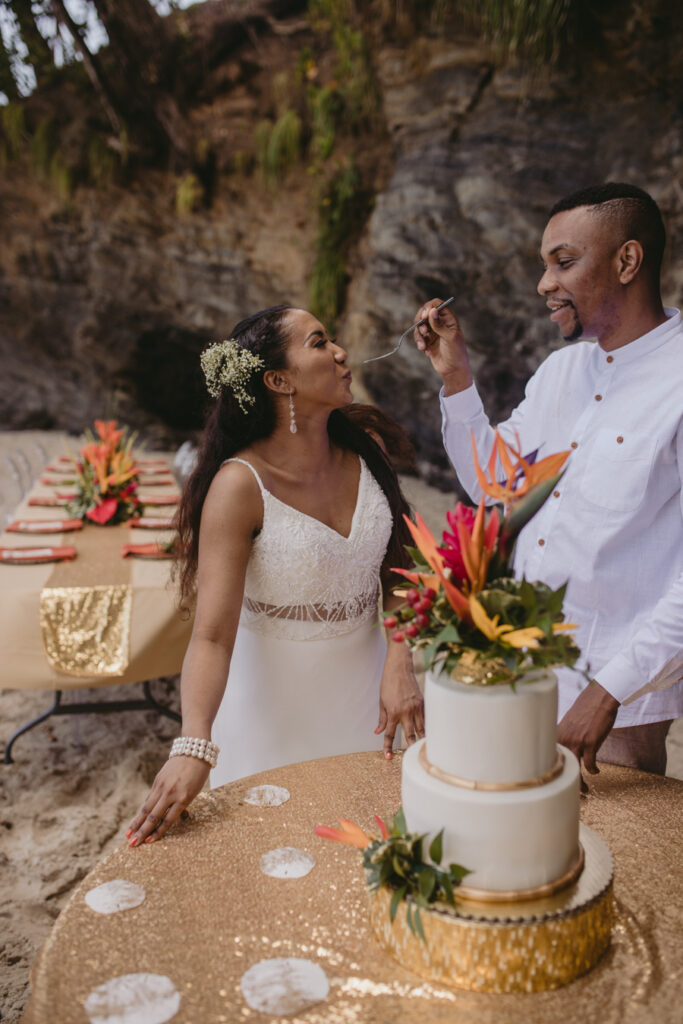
x=53 y=468
x=159 y=481
x=48 y=501
x=49 y=481
x=44 y=525
x=145 y=551
x=161 y=499
x=67 y=495
x=152 y=523
x=29 y=556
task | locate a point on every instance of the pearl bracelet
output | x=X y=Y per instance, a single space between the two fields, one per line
x=188 y=746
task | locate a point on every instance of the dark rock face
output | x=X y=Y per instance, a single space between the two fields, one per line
x=480 y=157
x=105 y=305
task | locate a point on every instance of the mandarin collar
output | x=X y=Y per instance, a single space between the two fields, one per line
x=647 y=343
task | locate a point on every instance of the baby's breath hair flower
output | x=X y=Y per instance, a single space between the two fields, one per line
x=228 y=365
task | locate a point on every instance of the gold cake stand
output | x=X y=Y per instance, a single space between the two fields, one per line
x=528 y=945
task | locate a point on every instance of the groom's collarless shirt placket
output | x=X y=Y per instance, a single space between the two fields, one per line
x=614 y=524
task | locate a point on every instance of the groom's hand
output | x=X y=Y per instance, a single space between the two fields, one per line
x=442 y=340
x=587 y=724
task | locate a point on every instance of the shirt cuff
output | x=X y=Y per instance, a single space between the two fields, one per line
x=620 y=678
x=463 y=405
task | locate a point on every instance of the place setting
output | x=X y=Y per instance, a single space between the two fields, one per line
x=35 y=555
x=44 y=526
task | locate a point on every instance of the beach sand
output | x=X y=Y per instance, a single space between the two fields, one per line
x=76 y=782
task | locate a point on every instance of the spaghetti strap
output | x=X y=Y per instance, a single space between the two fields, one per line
x=259 y=481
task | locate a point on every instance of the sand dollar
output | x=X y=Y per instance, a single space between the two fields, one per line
x=284 y=985
x=112 y=897
x=133 y=999
x=266 y=796
x=287 y=862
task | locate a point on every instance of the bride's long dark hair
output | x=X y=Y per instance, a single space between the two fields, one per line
x=228 y=430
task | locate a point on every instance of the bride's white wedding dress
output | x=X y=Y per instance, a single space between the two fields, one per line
x=309 y=652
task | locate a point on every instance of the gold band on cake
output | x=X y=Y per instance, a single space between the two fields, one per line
x=492 y=787
x=539 y=892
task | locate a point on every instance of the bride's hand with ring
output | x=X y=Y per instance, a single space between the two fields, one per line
x=176 y=786
x=400 y=700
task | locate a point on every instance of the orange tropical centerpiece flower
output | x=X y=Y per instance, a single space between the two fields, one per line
x=106 y=476
x=465 y=601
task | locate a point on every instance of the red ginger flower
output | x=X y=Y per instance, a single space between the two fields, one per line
x=452 y=554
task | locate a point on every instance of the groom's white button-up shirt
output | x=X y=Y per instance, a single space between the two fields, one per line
x=614 y=525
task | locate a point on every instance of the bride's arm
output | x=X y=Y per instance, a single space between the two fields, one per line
x=400 y=699
x=232 y=513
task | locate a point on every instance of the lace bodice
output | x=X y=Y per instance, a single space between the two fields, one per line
x=304 y=580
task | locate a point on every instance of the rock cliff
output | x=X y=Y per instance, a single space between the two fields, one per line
x=107 y=298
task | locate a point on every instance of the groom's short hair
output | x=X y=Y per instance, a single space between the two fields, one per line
x=631 y=213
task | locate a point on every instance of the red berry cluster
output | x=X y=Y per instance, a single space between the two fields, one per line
x=408 y=621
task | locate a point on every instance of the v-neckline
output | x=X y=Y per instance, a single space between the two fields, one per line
x=326 y=526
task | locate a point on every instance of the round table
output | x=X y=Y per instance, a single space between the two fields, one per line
x=210 y=913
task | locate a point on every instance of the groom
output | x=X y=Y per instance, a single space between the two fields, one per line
x=614 y=526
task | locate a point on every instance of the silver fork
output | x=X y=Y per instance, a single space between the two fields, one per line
x=412 y=327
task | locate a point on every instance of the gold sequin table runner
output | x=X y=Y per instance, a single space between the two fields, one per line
x=96 y=620
x=210 y=913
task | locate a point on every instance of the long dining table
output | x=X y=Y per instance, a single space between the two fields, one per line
x=97 y=618
x=242 y=913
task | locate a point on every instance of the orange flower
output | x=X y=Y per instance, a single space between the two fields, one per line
x=106 y=429
x=478 y=546
x=429 y=550
x=532 y=473
x=349 y=833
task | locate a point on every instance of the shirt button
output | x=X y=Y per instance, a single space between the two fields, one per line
x=598 y=398
x=620 y=440
x=610 y=359
x=556 y=494
x=574 y=444
x=541 y=542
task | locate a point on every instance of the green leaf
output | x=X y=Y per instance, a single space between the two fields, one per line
x=458 y=872
x=426 y=883
x=418 y=925
x=447 y=887
x=398 y=867
x=418 y=558
x=396 y=899
x=409 y=918
x=448 y=635
x=527 y=508
x=399 y=827
x=436 y=848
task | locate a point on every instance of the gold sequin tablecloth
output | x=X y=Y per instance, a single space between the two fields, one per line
x=210 y=913
x=120 y=613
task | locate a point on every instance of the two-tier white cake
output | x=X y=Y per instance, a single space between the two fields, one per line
x=492 y=776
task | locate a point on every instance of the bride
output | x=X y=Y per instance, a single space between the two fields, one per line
x=288 y=524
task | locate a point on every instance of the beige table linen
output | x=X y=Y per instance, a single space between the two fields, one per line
x=210 y=913
x=158 y=634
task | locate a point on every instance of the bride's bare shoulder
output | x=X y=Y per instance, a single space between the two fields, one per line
x=234 y=496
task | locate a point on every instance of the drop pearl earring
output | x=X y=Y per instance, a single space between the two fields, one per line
x=292 y=421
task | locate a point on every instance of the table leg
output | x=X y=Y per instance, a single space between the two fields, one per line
x=30 y=725
x=149 y=703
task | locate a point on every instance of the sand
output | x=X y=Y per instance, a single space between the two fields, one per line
x=76 y=782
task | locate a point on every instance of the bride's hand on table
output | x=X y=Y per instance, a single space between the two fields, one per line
x=400 y=700
x=176 y=786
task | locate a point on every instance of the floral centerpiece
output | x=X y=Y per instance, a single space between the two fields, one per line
x=106 y=476
x=465 y=607
x=395 y=859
